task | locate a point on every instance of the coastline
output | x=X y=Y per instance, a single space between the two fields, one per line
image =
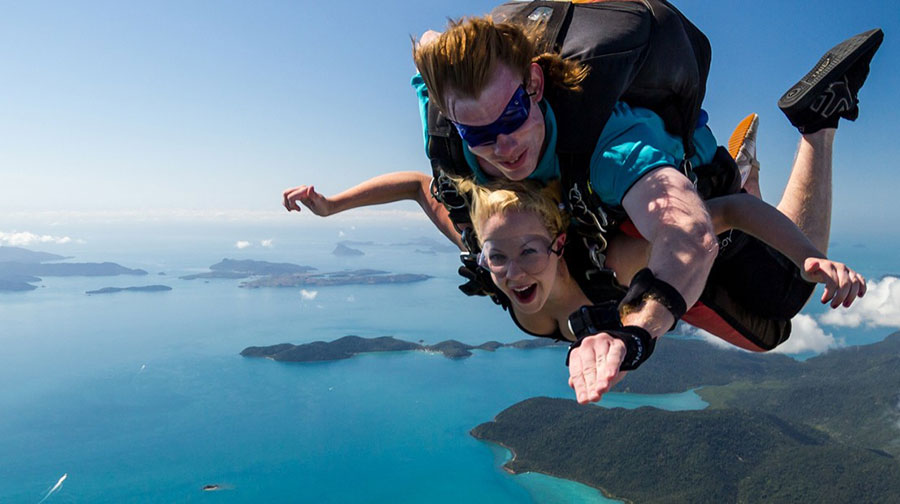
x=505 y=466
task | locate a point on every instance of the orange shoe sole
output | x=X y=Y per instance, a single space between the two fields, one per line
x=740 y=133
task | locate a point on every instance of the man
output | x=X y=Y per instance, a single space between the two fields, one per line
x=484 y=77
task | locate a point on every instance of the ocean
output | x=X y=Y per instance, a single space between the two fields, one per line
x=143 y=397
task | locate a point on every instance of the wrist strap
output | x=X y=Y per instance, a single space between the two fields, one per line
x=645 y=284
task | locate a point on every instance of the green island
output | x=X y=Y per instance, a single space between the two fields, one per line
x=777 y=430
x=268 y=274
x=142 y=288
x=348 y=346
x=20 y=268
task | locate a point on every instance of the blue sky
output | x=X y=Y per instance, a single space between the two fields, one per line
x=216 y=106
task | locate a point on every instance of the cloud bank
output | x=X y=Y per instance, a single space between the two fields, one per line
x=879 y=308
x=806 y=336
x=24 y=239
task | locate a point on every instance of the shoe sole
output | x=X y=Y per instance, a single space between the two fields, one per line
x=740 y=134
x=833 y=64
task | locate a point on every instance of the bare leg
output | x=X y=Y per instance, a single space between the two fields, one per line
x=807 y=197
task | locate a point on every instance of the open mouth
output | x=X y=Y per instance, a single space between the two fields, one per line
x=525 y=295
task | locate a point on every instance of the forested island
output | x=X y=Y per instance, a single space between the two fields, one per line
x=20 y=268
x=348 y=346
x=270 y=274
x=143 y=288
x=777 y=430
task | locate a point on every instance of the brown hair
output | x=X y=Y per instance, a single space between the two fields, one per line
x=463 y=58
x=515 y=196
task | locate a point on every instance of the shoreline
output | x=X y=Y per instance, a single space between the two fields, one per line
x=505 y=466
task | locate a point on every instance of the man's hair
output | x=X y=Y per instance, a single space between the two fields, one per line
x=500 y=197
x=464 y=57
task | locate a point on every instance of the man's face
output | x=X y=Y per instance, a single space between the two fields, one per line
x=513 y=155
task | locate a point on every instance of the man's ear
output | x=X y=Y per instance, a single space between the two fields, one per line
x=536 y=82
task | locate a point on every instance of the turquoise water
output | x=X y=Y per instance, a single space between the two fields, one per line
x=142 y=397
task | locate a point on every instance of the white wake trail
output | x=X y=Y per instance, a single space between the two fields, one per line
x=56 y=487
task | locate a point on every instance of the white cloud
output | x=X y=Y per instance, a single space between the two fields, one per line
x=709 y=337
x=308 y=295
x=25 y=238
x=341 y=234
x=807 y=336
x=880 y=307
x=351 y=299
x=242 y=244
x=266 y=243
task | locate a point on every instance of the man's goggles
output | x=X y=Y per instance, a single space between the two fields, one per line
x=513 y=117
x=530 y=253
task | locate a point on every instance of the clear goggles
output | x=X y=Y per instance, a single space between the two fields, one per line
x=531 y=254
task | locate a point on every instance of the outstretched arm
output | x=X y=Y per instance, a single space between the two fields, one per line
x=757 y=218
x=382 y=189
x=667 y=211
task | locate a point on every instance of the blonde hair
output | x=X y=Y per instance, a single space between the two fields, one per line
x=463 y=58
x=506 y=196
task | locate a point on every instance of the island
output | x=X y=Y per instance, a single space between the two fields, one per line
x=349 y=346
x=144 y=288
x=22 y=255
x=343 y=250
x=777 y=430
x=20 y=268
x=349 y=277
x=243 y=268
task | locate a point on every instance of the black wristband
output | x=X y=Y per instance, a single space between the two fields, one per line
x=639 y=346
x=644 y=283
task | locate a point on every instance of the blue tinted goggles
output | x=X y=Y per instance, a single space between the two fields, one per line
x=513 y=117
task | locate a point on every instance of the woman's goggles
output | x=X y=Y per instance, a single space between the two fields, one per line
x=531 y=254
x=513 y=117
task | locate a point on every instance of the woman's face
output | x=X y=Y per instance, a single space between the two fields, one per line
x=521 y=255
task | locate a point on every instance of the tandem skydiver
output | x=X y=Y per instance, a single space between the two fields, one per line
x=510 y=131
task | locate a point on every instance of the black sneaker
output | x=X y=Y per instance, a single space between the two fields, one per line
x=829 y=91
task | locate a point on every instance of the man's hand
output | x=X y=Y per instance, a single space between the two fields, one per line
x=842 y=284
x=307 y=195
x=594 y=367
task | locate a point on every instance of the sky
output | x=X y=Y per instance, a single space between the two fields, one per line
x=209 y=109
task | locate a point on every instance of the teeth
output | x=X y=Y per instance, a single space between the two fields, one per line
x=522 y=289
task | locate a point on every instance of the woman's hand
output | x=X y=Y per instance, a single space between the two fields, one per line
x=307 y=195
x=594 y=367
x=842 y=284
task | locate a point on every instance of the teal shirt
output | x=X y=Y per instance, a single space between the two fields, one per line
x=633 y=143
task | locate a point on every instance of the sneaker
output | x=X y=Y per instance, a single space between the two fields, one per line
x=829 y=91
x=742 y=146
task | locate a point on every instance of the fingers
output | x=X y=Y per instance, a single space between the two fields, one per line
x=594 y=367
x=843 y=285
x=576 y=376
x=292 y=195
